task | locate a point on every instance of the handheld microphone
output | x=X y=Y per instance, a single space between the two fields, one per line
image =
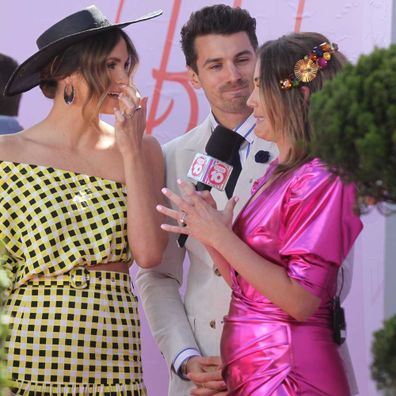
x=213 y=169
x=209 y=172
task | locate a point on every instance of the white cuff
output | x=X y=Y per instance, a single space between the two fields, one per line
x=182 y=356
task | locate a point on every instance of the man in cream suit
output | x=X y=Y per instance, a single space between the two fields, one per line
x=219 y=43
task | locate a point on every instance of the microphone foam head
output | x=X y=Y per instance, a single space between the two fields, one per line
x=223 y=143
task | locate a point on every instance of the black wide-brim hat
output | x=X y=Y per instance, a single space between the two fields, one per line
x=68 y=31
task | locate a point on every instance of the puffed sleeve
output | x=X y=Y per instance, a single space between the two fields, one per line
x=319 y=226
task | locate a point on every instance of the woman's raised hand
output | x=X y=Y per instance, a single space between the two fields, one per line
x=130 y=120
x=196 y=215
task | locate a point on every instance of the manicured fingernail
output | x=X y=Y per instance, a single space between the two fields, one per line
x=164 y=190
x=179 y=181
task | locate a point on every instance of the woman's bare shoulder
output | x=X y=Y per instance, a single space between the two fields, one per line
x=9 y=145
x=14 y=147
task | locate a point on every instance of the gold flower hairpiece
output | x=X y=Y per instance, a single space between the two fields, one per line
x=306 y=69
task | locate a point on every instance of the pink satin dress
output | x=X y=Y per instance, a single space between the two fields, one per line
x=306 y=224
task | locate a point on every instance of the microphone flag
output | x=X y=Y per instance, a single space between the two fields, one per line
x=210 y=171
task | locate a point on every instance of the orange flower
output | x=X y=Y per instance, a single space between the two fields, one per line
x=305 y=70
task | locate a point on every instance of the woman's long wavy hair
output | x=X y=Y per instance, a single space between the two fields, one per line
x=88 y=58
x=287 y=110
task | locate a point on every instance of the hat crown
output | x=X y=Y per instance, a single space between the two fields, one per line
x=87 y=19
x=57 y=38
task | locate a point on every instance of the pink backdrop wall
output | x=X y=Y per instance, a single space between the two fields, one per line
x=357 y=26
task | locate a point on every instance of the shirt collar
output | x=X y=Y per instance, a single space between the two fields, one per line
x=245 y=128
x=7 y=117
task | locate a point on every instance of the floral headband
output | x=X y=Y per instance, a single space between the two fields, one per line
x=306 y=69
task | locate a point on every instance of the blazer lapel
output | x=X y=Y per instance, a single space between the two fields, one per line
x=251 y=171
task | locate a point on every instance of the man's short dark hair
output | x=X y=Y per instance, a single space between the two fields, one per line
x=217 y=19
x=9 y=105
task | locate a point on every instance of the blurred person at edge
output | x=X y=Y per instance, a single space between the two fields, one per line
x=77 y=206
x=219 y=43
x=282 y=254
x=9 y=106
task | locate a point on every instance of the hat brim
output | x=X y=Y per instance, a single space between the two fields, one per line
x=27 y=75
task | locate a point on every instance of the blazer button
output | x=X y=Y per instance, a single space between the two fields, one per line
x=212 y=324
x=217 y=272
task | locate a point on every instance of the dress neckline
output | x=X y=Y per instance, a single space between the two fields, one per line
x=119 y=184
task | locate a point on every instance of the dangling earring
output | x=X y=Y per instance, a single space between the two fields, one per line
x=68 y=97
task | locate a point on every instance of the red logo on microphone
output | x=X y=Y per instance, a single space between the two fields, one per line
x=217 y=174
x=210 y=171
x=197 y=166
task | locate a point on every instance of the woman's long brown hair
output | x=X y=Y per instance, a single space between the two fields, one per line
x=287 y=110
x=88 y=58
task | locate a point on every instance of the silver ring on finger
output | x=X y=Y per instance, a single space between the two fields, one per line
x=183 y=218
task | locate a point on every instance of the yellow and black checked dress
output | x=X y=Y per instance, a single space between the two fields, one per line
x=73 y=332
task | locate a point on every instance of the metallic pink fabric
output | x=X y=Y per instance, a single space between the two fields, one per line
x=306 y=224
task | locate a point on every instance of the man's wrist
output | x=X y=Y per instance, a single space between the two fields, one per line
x=181 y=358
x=183 y=367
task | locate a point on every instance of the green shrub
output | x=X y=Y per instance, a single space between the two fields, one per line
x=383 y=368
x=354 y=118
